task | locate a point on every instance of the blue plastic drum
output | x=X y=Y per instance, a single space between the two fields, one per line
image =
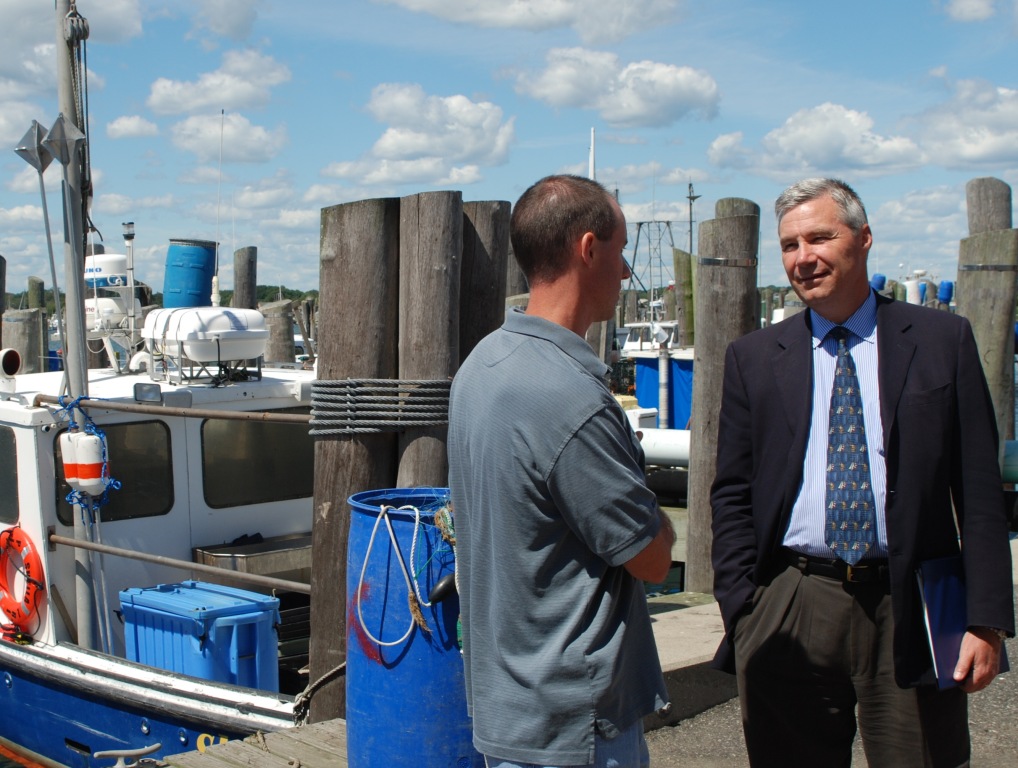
x=405 y=695
x=190 y=266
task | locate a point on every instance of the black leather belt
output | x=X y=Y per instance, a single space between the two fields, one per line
x=865 y=571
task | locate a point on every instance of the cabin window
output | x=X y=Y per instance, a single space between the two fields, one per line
x=140 y=460
x=255 y=462
x=8 y=477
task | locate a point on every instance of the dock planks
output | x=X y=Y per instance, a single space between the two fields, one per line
x=320 y=745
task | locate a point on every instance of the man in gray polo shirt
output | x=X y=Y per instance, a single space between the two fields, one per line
x=555 y=525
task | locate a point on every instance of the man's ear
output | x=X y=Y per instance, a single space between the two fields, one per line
x=587 y=243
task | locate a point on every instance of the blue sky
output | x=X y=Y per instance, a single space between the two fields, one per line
x=321 y=102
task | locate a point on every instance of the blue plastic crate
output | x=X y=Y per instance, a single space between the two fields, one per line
x=204 y=630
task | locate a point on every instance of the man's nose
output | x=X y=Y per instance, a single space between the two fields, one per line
x=626 y=271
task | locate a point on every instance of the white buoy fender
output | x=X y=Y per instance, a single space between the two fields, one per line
x=83 y=462
x=69 y=456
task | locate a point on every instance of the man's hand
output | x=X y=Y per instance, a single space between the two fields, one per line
x=979 y=660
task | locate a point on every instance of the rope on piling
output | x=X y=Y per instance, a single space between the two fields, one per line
x=368 y=406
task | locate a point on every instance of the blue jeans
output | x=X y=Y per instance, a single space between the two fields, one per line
x=627 y=750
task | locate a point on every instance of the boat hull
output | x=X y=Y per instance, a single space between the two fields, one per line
x=60 y=705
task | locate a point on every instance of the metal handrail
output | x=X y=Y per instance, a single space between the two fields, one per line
x=195 y=413
x=270 y=582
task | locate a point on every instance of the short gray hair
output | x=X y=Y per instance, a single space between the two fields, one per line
x=853 y=213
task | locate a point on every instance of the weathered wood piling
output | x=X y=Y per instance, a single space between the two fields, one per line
x=986 y=291
x=726 y=308
x=245 y=278
x=408 y=287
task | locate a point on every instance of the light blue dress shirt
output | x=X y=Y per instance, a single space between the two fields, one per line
x=805 y=532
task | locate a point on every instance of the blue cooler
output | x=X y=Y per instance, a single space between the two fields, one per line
x=204 y=630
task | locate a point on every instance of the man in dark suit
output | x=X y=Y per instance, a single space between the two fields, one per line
x=824 y=507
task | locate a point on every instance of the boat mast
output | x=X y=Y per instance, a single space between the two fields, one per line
x=71 y=31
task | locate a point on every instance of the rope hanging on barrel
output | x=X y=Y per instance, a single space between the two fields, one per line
x=368 y=406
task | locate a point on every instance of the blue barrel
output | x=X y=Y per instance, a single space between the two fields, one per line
x=190 y=266
x=405 y=695
x=945 y=292
x=878 y=282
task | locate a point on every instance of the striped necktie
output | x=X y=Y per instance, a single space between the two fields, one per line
x=851 y=513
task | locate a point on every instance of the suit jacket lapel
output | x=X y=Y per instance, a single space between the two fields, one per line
x=792 y=367
x=895 y=352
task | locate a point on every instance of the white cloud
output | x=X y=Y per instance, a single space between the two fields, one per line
x=244 y=80
x=976 y=128
x=294 y=218
x=834 y=137
x=21 y=216
x=728 y=151
x=130 y=127
x=241 y=142
x=922 y=229
x=228 y=18
x=970 y=10
x=112 y=204
x=595 y=21
x=430 y=139
x=828 y=139
x=643 y=93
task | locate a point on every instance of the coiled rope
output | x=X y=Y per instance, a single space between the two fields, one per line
x=367 y=406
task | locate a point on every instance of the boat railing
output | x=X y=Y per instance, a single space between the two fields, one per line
x=166 y=410
x=255 y=579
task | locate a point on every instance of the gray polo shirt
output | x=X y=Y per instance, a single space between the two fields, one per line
x=549 y=502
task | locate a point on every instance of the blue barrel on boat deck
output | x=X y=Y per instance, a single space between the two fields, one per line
x=190 y=265
x=405 y=695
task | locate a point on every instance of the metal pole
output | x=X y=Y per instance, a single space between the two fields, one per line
x=75 y=360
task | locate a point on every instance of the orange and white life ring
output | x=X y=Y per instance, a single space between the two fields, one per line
x=21 y=611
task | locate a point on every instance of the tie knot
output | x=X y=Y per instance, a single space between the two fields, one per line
x=840 y=334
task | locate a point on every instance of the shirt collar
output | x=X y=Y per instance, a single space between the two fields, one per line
x=862 y=323
x=517 y=321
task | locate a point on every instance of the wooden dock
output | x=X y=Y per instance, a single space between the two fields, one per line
x=320 y=745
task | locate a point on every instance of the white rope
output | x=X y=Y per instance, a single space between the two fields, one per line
x=413 y=558
x=383 y=513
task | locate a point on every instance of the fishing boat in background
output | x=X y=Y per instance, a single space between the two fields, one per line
x=155 y=517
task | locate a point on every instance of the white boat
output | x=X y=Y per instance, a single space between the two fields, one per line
x=191 y=480
x=129 y=496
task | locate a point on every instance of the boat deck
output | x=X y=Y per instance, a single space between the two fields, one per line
x=319 y=744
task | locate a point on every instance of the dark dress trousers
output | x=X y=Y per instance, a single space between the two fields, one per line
x=941 y=448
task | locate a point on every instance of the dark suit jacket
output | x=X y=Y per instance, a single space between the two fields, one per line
x=941 y=445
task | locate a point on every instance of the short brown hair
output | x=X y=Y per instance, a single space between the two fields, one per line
x=552 y=215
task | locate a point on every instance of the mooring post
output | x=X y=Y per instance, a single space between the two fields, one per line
x=430 y=254
x=245 y=278
x=987 y=273
x=357 y=323
x=726 y=308
x=684 y=296
x=483 y=272
x=279 y=319
x=23 y=330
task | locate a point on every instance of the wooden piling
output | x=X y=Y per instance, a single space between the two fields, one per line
x=279 y=320
x=483 y=272
x=726 y=308
x=430 y=257
x=24 y=330
x=989 y=205
x=36 y=293
x=357 y=321
x=245 y=278
x=515 y=280
x=682 y=263
x=986 y=290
